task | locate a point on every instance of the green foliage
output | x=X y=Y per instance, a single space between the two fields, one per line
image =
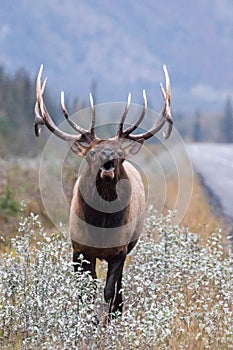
x=9 y=206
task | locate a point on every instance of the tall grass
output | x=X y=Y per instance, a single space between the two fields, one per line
x=178 y=294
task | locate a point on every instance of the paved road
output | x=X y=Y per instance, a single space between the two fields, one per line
x=214 y=162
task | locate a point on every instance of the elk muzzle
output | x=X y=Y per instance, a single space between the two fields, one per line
x=107 y=170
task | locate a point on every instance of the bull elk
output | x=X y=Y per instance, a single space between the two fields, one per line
x=108 y=204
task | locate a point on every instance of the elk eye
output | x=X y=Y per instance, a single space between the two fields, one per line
x=92 y=153
x=120 y=154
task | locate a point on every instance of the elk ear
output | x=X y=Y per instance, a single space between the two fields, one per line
x=132 y=147
x=78 y=148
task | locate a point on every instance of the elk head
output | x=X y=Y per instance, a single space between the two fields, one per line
x=104 y=156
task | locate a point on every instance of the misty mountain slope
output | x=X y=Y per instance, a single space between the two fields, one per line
x=122 y=45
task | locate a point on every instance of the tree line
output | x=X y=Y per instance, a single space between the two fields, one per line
x=17 y=100
x=207 y=127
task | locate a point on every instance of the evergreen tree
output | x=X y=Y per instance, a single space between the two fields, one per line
x=17 y=100
x=197 y=127
x=227 y=122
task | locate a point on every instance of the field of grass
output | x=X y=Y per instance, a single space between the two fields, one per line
x=178 y=282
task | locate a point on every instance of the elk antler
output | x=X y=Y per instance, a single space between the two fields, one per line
x=140 y=119
x=72 y=123
x=165 y=116
x=66 y=114
x=42 y=117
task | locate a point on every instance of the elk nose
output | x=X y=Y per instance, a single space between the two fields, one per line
x=107 y=155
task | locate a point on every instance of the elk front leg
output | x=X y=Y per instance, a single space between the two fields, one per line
x=112 y=290
x=87 y=264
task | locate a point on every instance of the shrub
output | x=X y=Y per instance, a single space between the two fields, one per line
x=9 y=206
x=178 y=294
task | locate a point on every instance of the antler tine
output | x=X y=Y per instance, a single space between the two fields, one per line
x=92 y=127
x=140 y=119
x=167 y=102
x=42 y=116
x=167 y=82
x=37 y=121
x=39 y=92
x=170 y=125
x=165 y=115
x=66 y=114
x=120 y=127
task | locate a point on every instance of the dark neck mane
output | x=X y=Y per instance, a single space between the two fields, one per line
x=95 y=199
